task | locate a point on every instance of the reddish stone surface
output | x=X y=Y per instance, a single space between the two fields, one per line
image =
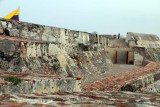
x=116 y=81
x=83 y=99
x=3 y=96
x=37 y=94
x=63 y=104
x=28 y=76
x=3 y=83
x=15 y=104
x=78 y=78
x=41 y=105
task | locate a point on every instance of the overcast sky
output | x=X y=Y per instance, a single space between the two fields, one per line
x=102 y=16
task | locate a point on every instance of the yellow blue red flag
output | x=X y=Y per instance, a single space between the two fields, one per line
x=14 y=15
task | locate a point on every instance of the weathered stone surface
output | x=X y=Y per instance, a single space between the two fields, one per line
x=141 y=37
x=153 y=54
x=45 y=33
x=47 y=50
x=49 y=58
x=153 y=88
x=36 y=83
x=94 y=99
x=92 y=63
x=64 y=58
x=1 y=29
x=132 y=80
x=139 y=55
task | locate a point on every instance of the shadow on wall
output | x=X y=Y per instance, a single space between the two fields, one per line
x=128 y=87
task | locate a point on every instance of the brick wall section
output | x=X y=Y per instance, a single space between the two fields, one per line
x=116 y=81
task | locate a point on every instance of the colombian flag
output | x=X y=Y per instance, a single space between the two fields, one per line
x=14 y=15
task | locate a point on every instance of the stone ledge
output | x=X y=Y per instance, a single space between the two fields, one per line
x=38 y=83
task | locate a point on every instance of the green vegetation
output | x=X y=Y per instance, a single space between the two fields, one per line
x=13 y=80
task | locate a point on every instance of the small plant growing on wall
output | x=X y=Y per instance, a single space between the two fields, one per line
x=13 y=80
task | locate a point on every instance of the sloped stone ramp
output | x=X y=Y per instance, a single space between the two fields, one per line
x=118 y=81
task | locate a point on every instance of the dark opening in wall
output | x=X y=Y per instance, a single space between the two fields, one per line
x=6 y=32
x=83 y=47
x=2 y=56
x=128 y=88
x=131 y=62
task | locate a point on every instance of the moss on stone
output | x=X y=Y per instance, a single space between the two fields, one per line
x=13 y=80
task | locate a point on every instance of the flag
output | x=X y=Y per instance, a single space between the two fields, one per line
x=14 y=15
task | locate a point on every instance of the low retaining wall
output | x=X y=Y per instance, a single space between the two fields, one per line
x=138 y=77
x=141 y=82
x=41 y=84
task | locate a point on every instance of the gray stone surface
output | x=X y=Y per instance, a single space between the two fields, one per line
x=92 y=64
x=141 y=36
x=53 y=55
x=154 y=87
x=44 y=84
x=46 y=33
x=153 y=54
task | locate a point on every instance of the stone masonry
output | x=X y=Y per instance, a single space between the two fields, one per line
x=64 y=67
x=36 y=49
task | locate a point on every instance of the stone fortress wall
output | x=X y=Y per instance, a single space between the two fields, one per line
x=40 y=49
x=60 y=42
x=32 y=48
x=51 y=61
x=45 y=33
